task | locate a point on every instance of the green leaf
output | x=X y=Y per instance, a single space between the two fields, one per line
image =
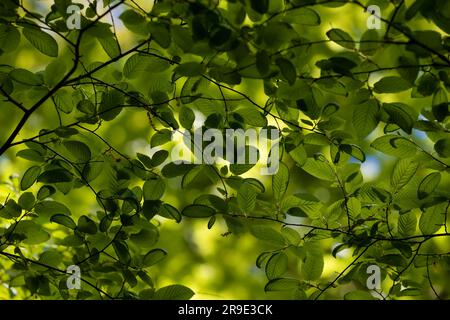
x=220 y=38
x=145 y=160
x=146 y=278
x=368 y=45
x=111 y=105
x=267 y=234
x=432 y=219
x=211 y=222
x=158 y=97
x=78 y=149
x=140 y=64
x=407 y=224
x=146 y=238
x=330 y=109
x=261 y=259
x=30 y=155
x=54 y=72
x=160 y=33
x=106 y=38
x=403 y=172
x=246 y=197
x=63 y=101
x=354 y=151
x=440 y=105
x=87 y=225
x=301 y=16
x=427 y=126
x=154 y=189
x=130 y=278
x=153 y=257
x=282 y=284
x=428 y=185
x=48 y=208
x=9 y=37
x=287 y=69
x=358 y=295
x=354 y=207
x=252 y=116
x=263 y=62
x=29 y=178
x=86 y=106
x=276 y=265
x=410 y=292
x=337 y=64
x=430 y=38
x=51 y=257
x=186 y=117
x=391 y=84
x=198 y=211
x=299 y=155
x=395 y=146
x=306 y=203
x=442 y=147
x=319 y=169
x=41 y=40
x=147 y=294
x=161 y=137
x=396 y=260
x=399 y=114
x=122 y=252
x=280 y=181
x=341 y=37
x=33 y=233
x=428 y=84
x=172 y=170
x=10 y=210
x=365 y=118
x=63 y=220
x=414 y=9
x=409 y=72
x=182 y=37
x=170 y=212
x=174 y=292
x=66 y=132
x=192 y=175
x=45 y=192
x=92 y=171
x=134 y=21
x=189 y=69
x=299 y=294
x=26 y=77
x=312 y=268
x=27 y=200
x=55 y=176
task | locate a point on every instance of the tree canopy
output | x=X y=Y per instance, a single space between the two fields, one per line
x=98 y=98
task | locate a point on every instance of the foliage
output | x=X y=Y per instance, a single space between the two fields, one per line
x=339 y=98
